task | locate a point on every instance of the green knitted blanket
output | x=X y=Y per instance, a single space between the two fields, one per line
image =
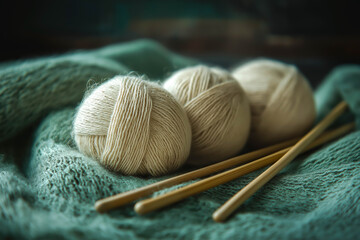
x=48 y=188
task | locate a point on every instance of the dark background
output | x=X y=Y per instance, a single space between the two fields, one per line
x=315 y=35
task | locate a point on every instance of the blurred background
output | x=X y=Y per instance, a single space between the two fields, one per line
x=315 y=35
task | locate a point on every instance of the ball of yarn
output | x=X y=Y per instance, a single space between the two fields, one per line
x=134 y=127
x=218 y=111
x=281 y=101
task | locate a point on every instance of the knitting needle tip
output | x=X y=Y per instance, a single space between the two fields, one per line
x=140 y=208
x=100 y=206
x=218 y=217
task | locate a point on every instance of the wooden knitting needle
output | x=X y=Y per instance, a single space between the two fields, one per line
x=121 y=199
x=166 y=199
x=233 y=203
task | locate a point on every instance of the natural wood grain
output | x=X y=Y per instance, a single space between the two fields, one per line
x=233 y=203
x=161 y=201
x=121 y=199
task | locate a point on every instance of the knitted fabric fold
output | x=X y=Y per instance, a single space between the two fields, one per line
x=48 y=188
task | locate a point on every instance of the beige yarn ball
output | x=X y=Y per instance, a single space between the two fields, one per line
x=218 y=111
x=134 y=127
x=281 y=101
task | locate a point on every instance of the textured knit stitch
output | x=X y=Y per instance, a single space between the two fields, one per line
x=48 y=188
x=30 y=89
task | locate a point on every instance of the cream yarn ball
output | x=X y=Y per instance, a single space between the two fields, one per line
x=134 y=127
x=218 y=111
x=281 y=101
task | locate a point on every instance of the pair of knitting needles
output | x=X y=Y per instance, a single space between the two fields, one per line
x=280 y=156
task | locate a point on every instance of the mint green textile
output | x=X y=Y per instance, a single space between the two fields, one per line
x=48 y=188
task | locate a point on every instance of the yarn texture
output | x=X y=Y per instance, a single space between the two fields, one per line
x=218 y=111
x=281 y=101
x=134 y=127
x=48 y=188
